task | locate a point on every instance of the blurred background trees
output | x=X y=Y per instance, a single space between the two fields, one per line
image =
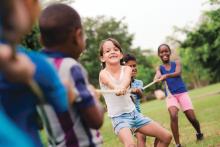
x=199 y=51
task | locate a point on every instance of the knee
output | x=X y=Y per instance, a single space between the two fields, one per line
x=130 y=145
x=168 y=138
x=174 y=117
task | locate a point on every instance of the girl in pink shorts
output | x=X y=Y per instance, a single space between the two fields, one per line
x=177 y=96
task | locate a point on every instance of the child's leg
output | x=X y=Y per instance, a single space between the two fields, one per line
x=173 y=111
x=141 y=139
x=126 y=137
x=192 y=119
x=186 y=104
x=173 y=107
x=155 y=130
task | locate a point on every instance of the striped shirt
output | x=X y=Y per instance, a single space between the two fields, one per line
x=69 y=69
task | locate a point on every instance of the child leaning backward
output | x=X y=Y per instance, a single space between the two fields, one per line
x=120 y=107
x=170 y=72
x=62 y=35
x=136 y=91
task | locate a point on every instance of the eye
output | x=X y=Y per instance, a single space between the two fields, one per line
x=106 y=51
x=116 y=49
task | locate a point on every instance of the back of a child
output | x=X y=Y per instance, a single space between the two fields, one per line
x=85 y=136
x=63 y=53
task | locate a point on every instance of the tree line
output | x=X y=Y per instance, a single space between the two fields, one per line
x=199 y=52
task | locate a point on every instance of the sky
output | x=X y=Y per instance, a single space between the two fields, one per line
x=149 y=20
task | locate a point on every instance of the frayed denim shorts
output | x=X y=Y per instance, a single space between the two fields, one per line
x=133 y=120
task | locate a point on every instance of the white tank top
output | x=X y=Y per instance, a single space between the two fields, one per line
x=117 y=105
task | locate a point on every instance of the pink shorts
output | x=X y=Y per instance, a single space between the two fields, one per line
x=181 y=100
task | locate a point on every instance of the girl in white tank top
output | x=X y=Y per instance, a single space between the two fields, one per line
x=120 y=107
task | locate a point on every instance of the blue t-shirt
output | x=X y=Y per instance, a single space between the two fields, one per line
x=19 y=102
x=10 y=135
x=137 y=99
x=175 y=84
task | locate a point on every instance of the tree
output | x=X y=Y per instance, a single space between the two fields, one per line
x=31 y=40
x=200 y=50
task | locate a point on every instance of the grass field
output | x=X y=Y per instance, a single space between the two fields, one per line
x=206 y=102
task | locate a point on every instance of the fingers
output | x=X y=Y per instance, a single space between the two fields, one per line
x=5 y=54
x=121 y=92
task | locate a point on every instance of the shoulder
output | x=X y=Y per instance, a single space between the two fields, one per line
x=176 y=62
x=102 y=74
x=138 y=82
x=158 y=67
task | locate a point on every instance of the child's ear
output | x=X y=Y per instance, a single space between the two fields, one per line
x=101 y=59
x=79 y=38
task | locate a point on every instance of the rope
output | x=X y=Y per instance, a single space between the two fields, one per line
x=128 y=91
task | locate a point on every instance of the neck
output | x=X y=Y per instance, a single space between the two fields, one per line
x=64 y=49
x=113 y=68
x=166 y=63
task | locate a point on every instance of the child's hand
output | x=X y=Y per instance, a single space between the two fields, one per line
x=121 y=92
x=163 y=77
x=136 y=91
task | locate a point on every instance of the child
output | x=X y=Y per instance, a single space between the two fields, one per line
x=18 y=101
x=63 y=38
x=120 y=107
x=137 y=93
x=171 y=73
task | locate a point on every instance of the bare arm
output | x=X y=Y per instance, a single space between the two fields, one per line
x=104 y=79
x=158 y=74
x=171 y=75
x=127 y=78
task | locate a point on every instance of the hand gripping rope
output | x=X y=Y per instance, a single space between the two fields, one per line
x=129 y=91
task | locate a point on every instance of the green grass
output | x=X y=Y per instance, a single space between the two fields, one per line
x=206 y=102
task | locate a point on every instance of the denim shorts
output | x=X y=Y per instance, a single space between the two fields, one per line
x=133 y=120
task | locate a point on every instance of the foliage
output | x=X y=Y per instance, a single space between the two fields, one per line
x=203 y=46
x=200 y=50
x=31 y=40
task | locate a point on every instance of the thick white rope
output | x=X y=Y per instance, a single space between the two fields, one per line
x=129 y=91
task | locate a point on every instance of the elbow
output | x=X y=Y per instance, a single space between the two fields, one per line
x=96 y=123
x=94 y=118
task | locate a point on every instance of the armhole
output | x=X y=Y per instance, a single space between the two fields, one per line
x=161 y=71
x=173 y=65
